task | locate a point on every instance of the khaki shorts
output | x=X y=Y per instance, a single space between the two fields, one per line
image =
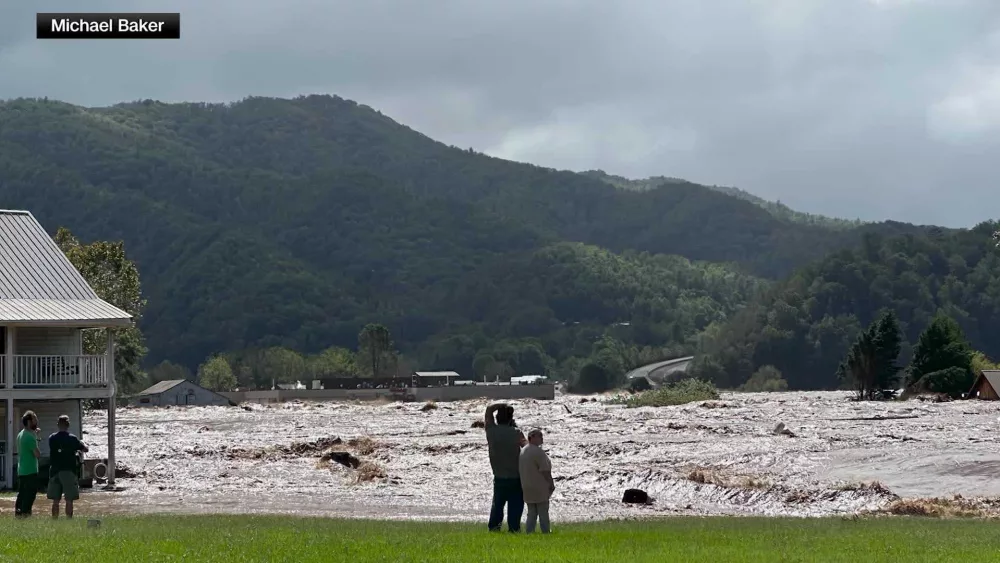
x=64 y=484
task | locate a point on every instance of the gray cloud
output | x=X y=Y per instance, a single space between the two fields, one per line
x=858 y=108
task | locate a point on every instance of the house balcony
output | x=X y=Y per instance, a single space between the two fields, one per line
x=54 y=372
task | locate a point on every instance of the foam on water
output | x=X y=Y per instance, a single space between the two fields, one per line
x=716 y=458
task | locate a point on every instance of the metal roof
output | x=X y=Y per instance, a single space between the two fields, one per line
x=436 y=374
x=162 y=386
x=38 y=283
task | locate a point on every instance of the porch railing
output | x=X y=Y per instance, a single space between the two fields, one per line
x=60 y=371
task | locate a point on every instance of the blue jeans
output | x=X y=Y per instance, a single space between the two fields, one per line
x=507 y=492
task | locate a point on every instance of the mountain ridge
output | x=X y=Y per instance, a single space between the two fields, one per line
x=293 y=222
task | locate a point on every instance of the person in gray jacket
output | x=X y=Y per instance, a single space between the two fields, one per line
x=536 y=482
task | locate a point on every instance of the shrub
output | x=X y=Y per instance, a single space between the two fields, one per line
x=679 y=393
x=765 y=380
x=639 y=384
x=952 y=381
x=593 y=378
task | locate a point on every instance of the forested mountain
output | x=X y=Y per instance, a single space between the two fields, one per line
x=775 y=208
x=274 y=222
x=804 y=325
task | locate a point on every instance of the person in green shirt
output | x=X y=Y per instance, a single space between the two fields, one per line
x=27 y=465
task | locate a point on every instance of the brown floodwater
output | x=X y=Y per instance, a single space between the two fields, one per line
x=718 y=457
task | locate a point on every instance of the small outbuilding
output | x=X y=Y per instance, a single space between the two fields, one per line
x=986 y=386
x=179 y=392
x=434 y=378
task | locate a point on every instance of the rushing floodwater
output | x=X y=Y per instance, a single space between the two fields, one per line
x=720 y=457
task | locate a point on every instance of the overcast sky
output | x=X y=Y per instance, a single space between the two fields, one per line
x=856 y=108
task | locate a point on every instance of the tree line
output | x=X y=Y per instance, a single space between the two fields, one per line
x=803 y=326
x=943 y=360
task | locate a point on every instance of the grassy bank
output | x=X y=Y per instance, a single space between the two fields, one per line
x=245 y=538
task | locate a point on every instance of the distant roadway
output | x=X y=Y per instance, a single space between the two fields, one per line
x=655 y=373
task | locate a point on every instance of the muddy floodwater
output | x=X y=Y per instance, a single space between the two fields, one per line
x=717 y=457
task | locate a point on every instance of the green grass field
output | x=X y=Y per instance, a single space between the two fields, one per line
x=246 y=538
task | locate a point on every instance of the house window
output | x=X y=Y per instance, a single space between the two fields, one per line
x=144 y=400
x=190 y=391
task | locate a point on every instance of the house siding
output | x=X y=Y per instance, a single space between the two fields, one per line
x=48 y=413
x=985 y=391
x=44 y=341
x=182 y=394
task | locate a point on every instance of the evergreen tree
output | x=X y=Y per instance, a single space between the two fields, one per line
x=870 y=365
x=888 y=341
x=942 y=359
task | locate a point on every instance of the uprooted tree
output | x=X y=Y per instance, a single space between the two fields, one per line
x=870 y=365
x=115 y=279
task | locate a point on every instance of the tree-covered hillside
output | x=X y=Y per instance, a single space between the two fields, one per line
x=294 y=223
x=775 y=208
x=805 y=325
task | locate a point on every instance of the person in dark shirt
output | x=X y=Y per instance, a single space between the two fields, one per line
x=504 y=442
x=64 y=451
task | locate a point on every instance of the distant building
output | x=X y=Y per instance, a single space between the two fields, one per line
x=986 y=386
x=434 y=378
x=178 y=392
x=529 y=380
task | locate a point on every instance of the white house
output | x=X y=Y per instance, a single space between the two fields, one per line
x=45 y=307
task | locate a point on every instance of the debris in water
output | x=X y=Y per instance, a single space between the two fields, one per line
x=715 y=405
x=895 y=437
x=706 y=476
x=369 y=471
x=428 y=406
x=452 y=448
x=957 y=507
x=780 y=430
x=122 y=471
x=636 y=496
x=364 y=445
x=876 y=417
x=479 y=424
x=873 y=487
x=296 y=449
x=343 y=458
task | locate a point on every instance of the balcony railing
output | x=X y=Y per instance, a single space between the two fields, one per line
x=56 y=371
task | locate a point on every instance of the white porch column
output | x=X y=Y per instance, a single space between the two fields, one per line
x=112 y=407
x=8 y=458
x=8 y=358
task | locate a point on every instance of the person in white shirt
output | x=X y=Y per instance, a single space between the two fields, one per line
x=536 y=482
